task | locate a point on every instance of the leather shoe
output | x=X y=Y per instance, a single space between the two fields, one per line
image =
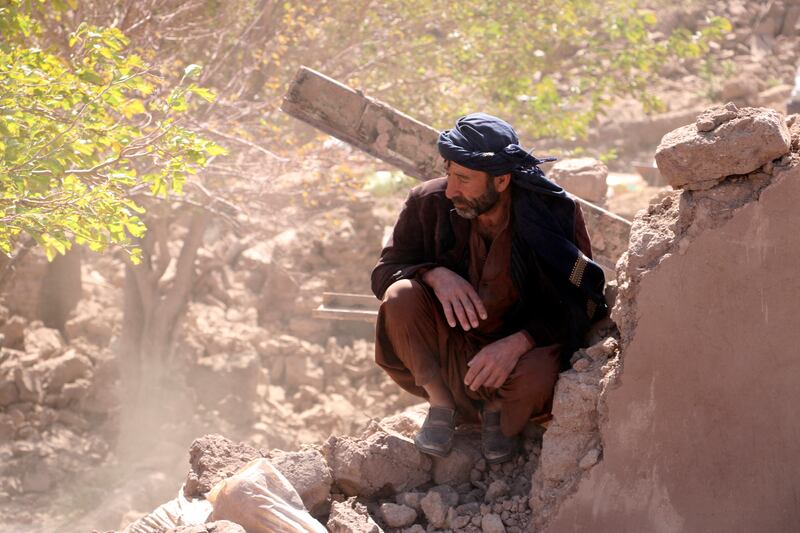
x=496 y=447
x=435 y=437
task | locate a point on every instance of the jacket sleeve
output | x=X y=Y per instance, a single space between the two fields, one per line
x=403 y=257
x=548 y=324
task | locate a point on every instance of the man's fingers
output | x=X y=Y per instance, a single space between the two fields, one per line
x=448 y=314
x=481 y=378
x=477 y=303
x=469 y=308
x=460 y=314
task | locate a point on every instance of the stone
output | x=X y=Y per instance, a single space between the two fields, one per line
x=213 y=458
x=64 y=369
x=397 y=515
x=460 y=522
x=584 y=177
x=455 y=468
x=8 y=390
x=362 y=467
x=435 y=508
x=581 y=364
x=712 y=117
x=496 y=489
x=350 y=516
x=90 y=320
x=45 y=342
x=13 y=332
x=410 y=499
x=492 y=523
x=309 y=474
x=697 y=160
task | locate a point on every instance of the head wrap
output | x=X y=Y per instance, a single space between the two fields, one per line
x=483 y=142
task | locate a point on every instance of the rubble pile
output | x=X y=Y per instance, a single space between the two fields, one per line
x=56 y=408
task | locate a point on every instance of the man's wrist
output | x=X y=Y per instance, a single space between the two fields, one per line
x=523 y=342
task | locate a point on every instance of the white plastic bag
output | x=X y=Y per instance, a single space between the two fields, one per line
x=261 y=500
x=174 y=513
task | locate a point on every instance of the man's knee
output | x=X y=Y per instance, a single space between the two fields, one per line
x=403 y=298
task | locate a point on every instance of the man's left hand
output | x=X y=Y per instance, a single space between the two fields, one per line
x=492 y=365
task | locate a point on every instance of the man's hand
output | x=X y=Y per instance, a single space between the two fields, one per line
x=492 y=365
x=458 y=298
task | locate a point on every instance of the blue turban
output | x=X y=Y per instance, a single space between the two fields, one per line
x=483 y=142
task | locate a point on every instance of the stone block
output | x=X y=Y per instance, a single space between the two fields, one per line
x=310 y=476
x=584 y=177
x=722 y=143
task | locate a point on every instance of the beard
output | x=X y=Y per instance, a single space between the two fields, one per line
x=470 y=209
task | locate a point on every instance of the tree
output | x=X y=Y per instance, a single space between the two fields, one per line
x=83 y=130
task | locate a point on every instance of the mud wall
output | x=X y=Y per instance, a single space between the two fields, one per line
x=700 y=433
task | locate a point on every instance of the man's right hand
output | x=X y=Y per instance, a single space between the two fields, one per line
x=458 y=298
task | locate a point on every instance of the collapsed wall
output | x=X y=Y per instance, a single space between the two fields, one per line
x=697 y=433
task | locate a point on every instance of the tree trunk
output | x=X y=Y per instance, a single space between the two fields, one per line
x=152 y=310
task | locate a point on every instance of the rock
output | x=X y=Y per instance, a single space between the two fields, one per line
x=491 y=523
x=435 y=508
x=693 y=159
x=310 y=476
x=460 y=522
x=584 y=177
x=90 y=321
x=496 y=490
x=362 y=467
x=397 y=515
x=581 y=364
x=410 y=499
x=13 y=332
x=45 y=342
x=28 y=385
x=455 y=468
x=590 y=459
x=712 y=117
x=416 y=528
x=351 y=516
x=8 y=390
x=213 y=458
x=64 y=369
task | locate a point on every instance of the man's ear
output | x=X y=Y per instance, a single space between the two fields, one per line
x=502 y=182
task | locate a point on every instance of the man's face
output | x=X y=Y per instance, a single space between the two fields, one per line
x=472 y=191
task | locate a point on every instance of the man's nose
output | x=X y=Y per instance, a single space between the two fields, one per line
x=452 y=189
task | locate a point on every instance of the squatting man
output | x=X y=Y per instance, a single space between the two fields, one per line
x=487 y=287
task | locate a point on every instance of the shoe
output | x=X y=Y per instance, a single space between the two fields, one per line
x=435 y=437
x=496 y=447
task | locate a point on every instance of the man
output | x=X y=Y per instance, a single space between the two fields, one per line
x=488 y=287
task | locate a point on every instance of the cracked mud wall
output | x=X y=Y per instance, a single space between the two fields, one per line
x=699 y=433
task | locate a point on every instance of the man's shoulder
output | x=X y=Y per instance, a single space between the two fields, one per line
x=430 y=189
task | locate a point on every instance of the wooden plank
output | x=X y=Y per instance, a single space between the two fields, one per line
x=350 y=301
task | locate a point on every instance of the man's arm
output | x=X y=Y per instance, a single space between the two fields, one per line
x=403 y=257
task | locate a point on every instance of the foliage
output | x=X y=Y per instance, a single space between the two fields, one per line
x=549 y=67
x=81 y=130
